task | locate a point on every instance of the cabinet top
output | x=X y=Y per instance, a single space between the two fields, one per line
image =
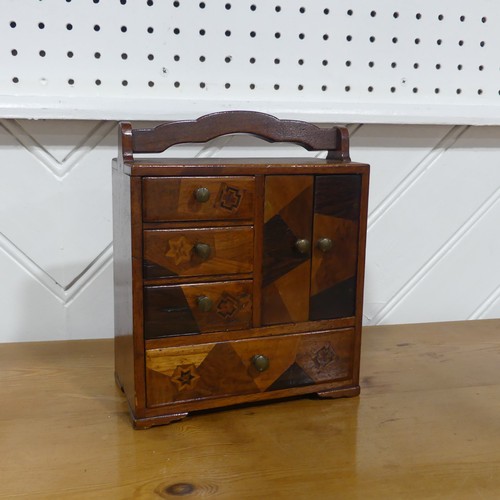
x=237 y=166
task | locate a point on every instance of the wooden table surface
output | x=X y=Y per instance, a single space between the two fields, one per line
x=427 y=425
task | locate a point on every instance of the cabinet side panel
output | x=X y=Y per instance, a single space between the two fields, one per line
x=122 y=267
x=334 y=265
x=285 y=270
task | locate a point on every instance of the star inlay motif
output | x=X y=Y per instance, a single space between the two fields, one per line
x=179 y=250
x=185 y=376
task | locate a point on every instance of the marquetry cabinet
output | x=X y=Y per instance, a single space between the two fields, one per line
x=236 y=280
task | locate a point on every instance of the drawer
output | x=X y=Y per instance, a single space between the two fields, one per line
x=197 y=198
x=198 y=252
x=247 y=366
x=197 y=308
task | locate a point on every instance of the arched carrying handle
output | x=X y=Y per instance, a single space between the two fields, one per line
x=335 y=140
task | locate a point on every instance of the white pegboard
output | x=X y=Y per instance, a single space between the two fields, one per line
x=344 y=61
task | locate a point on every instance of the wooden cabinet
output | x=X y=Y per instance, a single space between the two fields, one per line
x=236 y=280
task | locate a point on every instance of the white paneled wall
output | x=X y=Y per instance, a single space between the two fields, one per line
x=432 y=238
x=55 y=229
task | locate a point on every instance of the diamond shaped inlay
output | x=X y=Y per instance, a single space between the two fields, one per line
x=324 y=357
x=228 y=306
x=230 y=197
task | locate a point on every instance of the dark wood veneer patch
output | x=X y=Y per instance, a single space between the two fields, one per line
x=294 y=376
x=337 y=301
x=279 y=255
x=338 y=195
x=167 y=313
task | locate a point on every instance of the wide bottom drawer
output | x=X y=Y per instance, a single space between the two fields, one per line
x=247 y=366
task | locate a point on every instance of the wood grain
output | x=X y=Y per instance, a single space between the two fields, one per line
x=129 y=340
x=257 y=248
x=155 y=140
x=288 y=206
x=230 y=166
x=337 y=202
x=426 y=426
x=360 y=272
x=226 y=368
x=265 y=260
x=123 y=319
x=174 y=309
x=170 y=253
x=173 y=198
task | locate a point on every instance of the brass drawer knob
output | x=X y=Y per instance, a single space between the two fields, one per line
x=203 y=250
x=325 y=244
x=260 y=362
x=202 y=194
x=204 y=303
x=303 y=246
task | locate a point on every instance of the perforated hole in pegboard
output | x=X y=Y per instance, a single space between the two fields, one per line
x=302 y=55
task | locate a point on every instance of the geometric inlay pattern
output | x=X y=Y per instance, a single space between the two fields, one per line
x=227 y=368
x=229 y=197
x=179 y=250
x=324 y=357
x=228 y=305
x=285 y=268
x=294 y=376
x=333 y=272
x=185 y=376
x=278 y=244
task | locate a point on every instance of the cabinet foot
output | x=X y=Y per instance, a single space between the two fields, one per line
x=347 y=392
x=146 y=423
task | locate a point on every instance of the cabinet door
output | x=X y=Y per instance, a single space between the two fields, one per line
x=335 y=246
x=286 y=269
x=318 y=282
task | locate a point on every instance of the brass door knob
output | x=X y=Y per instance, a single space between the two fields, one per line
x=325 y=244
x=202 y=194
x=203 y=250
x=260 y=362
x=204 y=303
x=303 y=246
